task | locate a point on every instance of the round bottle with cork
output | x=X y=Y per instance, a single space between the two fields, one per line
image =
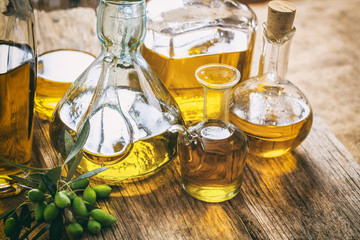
x=273 y=112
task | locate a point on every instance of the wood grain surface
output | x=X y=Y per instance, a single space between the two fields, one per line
x=311 y=193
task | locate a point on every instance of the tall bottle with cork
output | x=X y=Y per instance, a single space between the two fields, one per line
x=273 y=112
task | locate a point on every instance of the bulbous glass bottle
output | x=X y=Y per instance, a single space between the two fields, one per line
x=183 y=35
x=128 y=108
x=273 y=112
x=213 y=152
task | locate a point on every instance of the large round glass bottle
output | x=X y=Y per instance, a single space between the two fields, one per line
x=182 y=35
x=128 y=108
x=273 y=112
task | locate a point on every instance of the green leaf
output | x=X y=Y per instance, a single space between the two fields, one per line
x=54 y=174
x=49 y=185
x=24 y=181
x=69 y=142
x=18 y=165
x=88 y=174
x=35 y=176
x=74 y=165
x=41 y=232
x=80 y=142
x=25 y=216
x=57 y=228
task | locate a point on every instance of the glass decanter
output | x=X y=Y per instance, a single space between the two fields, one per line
x=18 y=61
x=129 y=109
x=182 y=35
x=213 y=152
x=274 y=113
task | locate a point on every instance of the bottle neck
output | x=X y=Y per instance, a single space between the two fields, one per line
x=121 y=26
x=217 y=80
x=216 y=104
x=275 y=54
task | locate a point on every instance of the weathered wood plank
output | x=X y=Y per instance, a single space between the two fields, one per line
x=312 y=193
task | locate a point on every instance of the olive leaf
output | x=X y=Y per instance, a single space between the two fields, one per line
x=24 y=181
x=80 y=142
x=57 y=227
x=74 y=165
x=88 y=174
x=50 y=185
x=69 y=142
x=25 y=216
x=18 y=165
x=54 y=174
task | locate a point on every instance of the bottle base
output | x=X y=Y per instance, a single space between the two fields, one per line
x=211 y=194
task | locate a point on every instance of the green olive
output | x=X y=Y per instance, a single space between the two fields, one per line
x=10 y=226
x=94 y=226
x=105 y=219
x=61 y=200
x=39 y=211
x=82 y=184
x=102 y=191
x=89 y=195
x=71 y=195
x=79 y=207
x=50 y=212
x=75 y=229
x=35 y=195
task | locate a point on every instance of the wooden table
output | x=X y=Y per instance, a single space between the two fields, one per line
x=312 y=193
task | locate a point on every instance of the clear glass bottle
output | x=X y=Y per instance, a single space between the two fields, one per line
x=274 y=113
x=18 y=59
x=213 y=152
x=65 y=31
x=182 y=35
x=129 y=109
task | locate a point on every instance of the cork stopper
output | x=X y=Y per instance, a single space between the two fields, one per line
x=280 y=18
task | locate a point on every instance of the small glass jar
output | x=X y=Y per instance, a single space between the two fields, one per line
x=213 y=151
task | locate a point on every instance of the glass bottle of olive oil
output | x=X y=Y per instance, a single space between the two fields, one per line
x=273 y=112
x=184 y=35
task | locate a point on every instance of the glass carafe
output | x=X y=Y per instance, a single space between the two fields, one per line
x=18 y=59
x=182 y=35
x=273 y=112
x=213 y=151
x=129 y=109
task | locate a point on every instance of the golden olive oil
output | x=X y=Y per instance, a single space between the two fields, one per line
x=176 y=69
x=146 y=156
x=273 y=141
x=56 y=71
x=17 y=90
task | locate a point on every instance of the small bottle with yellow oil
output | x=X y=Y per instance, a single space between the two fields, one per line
x=213 y=151
x=273 y=112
